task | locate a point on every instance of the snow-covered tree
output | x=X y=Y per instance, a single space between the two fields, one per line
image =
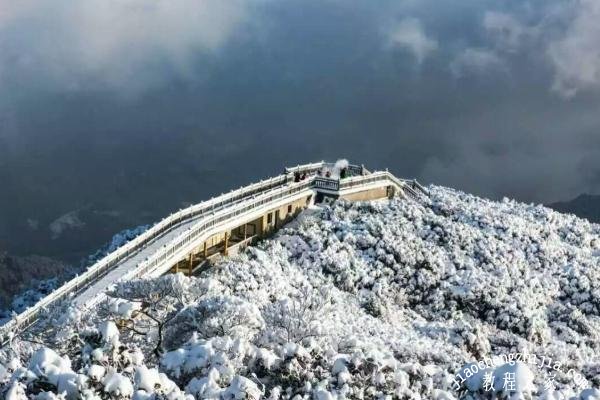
x=146 y=307
x=379 y=300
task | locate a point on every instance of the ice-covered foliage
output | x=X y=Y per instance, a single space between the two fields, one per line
x=382 y=300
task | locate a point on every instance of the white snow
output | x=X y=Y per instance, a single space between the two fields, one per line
x=130 y=263
x=96 y=372
x=380 y=300
x=109 y=332
x=46 y=362
x=123 y=308
x=146 y=379
x=16 y=392
x=241 y=388
x=118 y=385
x=590 y=394
x=206 y=387
x=523 y=379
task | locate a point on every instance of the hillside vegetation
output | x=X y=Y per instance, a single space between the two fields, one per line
x=460 y=298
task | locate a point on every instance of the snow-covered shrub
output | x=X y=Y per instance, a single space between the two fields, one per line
x=380 y=300
x=147 y=307
x=215 y=316
x=294 y=319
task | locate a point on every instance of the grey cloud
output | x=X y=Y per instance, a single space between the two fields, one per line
x=478 y=61
x=409 y=34
x=576 y=54
x=564 y=34
x=280 y=82
x=120 y=45
x=508 y=33
x=506 y=30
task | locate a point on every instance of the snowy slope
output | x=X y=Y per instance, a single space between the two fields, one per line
x=464 y=298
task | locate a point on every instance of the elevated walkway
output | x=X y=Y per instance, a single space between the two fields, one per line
x=185 y=240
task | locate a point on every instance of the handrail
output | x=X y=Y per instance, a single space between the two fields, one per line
x=420 y=187
x=305 y=167
x=326 y=183
x=99 y=268
x=214 y=220
x=209 y=214
x=318 y=166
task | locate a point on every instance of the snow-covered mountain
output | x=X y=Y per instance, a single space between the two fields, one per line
x=584 y=206
x=28 y=279
x=24 y=279
x=460 y=298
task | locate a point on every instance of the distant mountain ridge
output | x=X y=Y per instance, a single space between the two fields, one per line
x=584 y=206
x=21 y=273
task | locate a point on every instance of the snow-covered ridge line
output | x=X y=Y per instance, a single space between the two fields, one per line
x=236 y=202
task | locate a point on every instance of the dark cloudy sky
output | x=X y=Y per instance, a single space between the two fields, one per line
x=113 y=112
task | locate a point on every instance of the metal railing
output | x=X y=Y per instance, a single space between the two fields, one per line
x=420 y=187
x=306 y=168
x=407 y=186
x=107 y=263
x=368 y=179
x=213 y=221
x=209 y=214
x=314 y=168
x=326 y=183
x=356 y=169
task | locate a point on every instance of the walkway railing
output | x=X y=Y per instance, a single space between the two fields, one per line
x=209 y=215
x=104 y=265
x=210 y=222
x=314 y=168
x=326 y=183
